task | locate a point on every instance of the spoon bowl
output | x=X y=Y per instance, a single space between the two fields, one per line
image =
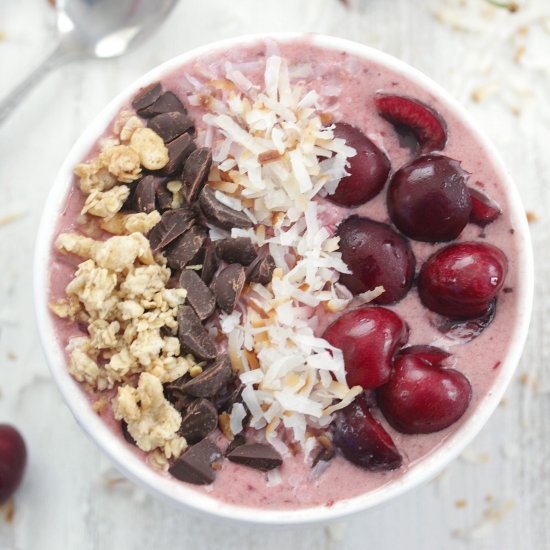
x=93 y=29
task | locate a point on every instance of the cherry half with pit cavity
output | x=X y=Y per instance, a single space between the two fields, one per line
x=369 y=337
x=368 y=170
x=377 y=256
x=410 y=114
x=421 y=397
x=363 y=440
x=428 y=199
x=461 y=280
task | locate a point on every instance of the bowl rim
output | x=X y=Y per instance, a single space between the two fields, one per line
x=131 y=465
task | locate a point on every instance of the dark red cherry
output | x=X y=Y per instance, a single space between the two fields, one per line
x=428 y=199
x=368 y=170
x=484 y=209
x=363 y=440
x=376 y=255
x=461 y=280
x=421 y=397
x=13 y=458
x=404 y=112
x=429 y=354
x=369 y=338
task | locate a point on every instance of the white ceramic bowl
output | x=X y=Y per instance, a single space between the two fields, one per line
x=180 y=493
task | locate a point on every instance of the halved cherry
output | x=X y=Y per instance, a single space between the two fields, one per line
x=484 y=209
x=363 y=440
x=13 y=458
x=424 y=122
x=421 y=397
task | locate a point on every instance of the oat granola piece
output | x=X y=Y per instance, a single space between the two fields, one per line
x=124 y=224
x=122 y=161
x=153 y=154
x=94 y=176
x=106 y=204
x=152 y=421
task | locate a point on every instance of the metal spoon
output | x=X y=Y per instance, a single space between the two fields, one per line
x=93 y=28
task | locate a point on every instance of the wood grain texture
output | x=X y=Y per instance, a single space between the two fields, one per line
x=497 y=495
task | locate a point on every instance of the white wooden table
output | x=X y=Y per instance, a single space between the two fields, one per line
x=497 y=495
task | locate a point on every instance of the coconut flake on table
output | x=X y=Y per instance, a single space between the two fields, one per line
x=273 y=147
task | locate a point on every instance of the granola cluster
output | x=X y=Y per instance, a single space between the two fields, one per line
x=119 y=291
x=105 y=178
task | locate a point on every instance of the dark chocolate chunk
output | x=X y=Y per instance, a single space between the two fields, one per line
x=186 y=247
x=199 y=296
x=263 y=271
x=210 y=263
x=145 y=193
x=195 y=464
x=126 y=434
x=195 y=172
x=147 y=96
x=166 y=103
x=200 y=419
x=227 y=397
x=178 y=151
x=237 y=441
x=219 y=214
x=256 y=455
x=240 y=250
x=211 y=380
x=164 y=197
x=171 y=125
x=194 y=338
x=228 y=285
x=173 y=223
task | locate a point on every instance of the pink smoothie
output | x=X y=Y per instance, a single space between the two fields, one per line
x=346 y=85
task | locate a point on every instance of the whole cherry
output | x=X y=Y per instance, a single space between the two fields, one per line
x=13 y=458
x=368 y=170
x=377 y=256
x=462 y=279
x=421 y=397
x=428 y=199
x=369 y=337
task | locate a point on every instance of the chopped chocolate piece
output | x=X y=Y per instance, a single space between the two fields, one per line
x=227 y=397
x=172 y=224
x=166 y=103
x=195 y=172
x=144 y=193
x=178 y=151
x=219 y=214
x=186 y=248
x=195 y=464
x=237 y=441
x=126 y=434
x=181 y=404
x=324 y=454
x=164 y=197
x=147 y=96
x=200 y=419
x=256 y=455
x=263 y=271
x=211 y=380
x=198 y=294
x=171 y=125
x=194 y=338
x=228 y=285
x=210 y=263
x=240 y=250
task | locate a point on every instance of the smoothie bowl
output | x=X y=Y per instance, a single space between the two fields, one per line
x=282 y=279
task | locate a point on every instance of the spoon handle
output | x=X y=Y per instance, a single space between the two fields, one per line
x=16 y=96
